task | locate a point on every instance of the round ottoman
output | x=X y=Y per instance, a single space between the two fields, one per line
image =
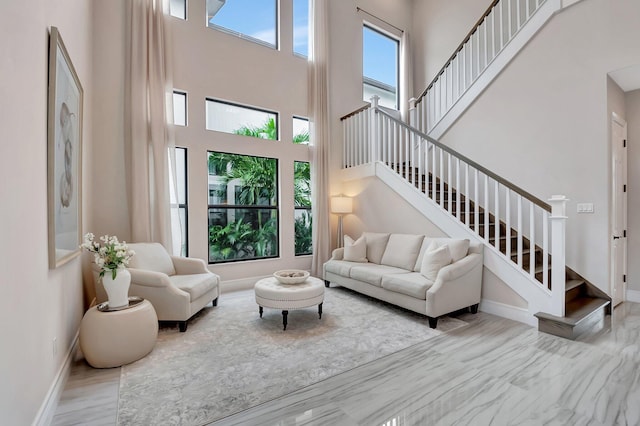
x=115 y=338
x=271 y=294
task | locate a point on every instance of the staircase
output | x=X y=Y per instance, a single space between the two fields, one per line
x=523 y=235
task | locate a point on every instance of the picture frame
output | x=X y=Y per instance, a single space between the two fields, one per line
x=64 y=155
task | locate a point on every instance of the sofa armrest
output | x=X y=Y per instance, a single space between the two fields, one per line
x=457 y=286
x=337 y=254
x=147 y=278
x=189 y=265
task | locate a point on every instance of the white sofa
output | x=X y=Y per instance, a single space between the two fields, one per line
x=391 y=271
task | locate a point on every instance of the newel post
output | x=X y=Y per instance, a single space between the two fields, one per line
x=373 y=129
x=413 y=117
x=558 y=221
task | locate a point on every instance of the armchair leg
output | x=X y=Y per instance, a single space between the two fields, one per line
x=215 y=302
x=474 y=308
x=433 y=322
x=182 y=325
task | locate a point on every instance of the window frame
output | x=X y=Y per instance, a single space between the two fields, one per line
x=243 y=36
x=244 y=106
x=274 y=208
x=184 y=205
x=186 y=107
x=398 y=40
x=302 y=208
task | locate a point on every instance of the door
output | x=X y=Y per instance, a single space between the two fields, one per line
x=619 y=212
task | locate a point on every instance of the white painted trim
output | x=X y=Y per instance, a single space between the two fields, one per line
x=50 y=404
x=633 y=296
x=514 y=313
x=526 y=33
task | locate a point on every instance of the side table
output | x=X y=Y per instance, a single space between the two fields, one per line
x=114 y=338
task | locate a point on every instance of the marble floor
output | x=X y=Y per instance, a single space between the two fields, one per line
x=493 y=371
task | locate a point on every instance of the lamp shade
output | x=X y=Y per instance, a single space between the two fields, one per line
x=341 y=205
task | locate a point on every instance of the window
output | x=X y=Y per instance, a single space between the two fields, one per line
x=302 y=201
x=254 y=20
x=231 y=118
x=301 y=27
x=300 y=130
x=179 y=108
x=380 y=67
x=181 y=199
x=178 y=8
x=243 y=209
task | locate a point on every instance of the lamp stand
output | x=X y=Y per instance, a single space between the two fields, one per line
x=340 y=236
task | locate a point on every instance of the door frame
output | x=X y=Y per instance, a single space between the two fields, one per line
x=618 y=120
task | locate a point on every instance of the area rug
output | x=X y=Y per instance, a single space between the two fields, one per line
x=230 y=359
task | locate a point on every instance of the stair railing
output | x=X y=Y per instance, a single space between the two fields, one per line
x=475 y=196
x=489 y=36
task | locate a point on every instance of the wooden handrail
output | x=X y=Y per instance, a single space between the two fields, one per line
x=470 y=162
x=458 y=49
x=364 y=107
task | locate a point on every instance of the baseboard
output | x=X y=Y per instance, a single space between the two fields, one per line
x=633 y=296
x=508 y=311
x=50 y=403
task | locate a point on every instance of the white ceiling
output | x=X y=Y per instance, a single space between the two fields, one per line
x=627 y=78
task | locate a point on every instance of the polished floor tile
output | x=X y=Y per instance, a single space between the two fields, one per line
x=493 y=371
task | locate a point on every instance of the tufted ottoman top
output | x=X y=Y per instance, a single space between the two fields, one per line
x=271 y=294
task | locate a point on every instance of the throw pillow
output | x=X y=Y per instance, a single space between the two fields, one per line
x=355 y=251
x=376 y=243
x=434 y=259
x=458 y=248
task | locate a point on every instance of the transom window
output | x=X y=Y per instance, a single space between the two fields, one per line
x=301 y=27
x=380 y=64
x=243 y=209
x=240 y=120
x=254 y=20
x=300 y=130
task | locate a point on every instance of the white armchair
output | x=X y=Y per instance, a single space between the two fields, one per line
x=177 y=287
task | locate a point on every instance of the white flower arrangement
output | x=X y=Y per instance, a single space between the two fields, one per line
x=108 y=255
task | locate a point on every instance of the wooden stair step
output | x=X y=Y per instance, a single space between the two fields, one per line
x=581 y=315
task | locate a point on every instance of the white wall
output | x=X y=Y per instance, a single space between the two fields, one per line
x=548 y=109
x=633 y=177
x=38 y=304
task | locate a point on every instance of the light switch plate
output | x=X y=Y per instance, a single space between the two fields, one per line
x=585 y=208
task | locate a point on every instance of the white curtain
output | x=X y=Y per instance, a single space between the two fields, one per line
x=319 y=133
x=149 y=142
x=406 y=76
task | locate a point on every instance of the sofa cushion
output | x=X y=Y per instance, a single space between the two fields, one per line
x=339 y=267
x=412 y=284
x=152 y=257
x=456 y=247
x=376 y=243
x=402 y=251
x=434 y=259
x=372 y=273
x=196 y=284
x=355 y=251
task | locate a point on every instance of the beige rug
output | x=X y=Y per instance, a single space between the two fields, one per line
x=229 y=359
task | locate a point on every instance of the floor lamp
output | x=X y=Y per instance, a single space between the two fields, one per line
x=341 y=205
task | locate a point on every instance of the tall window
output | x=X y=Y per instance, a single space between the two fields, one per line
x=380 y=63
x=302 y=201
x=300 y=130
x=243 y=209
x=180 y=199
x=231 y=118
x=301 y=27
x=254 y=20
x=179 y=108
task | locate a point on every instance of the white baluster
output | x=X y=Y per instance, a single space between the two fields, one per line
x=507 y=217
x=502 y=24
x=520 y=230
x=486 y=208
x=373 y=135
x=518 y=19
x=442 y=178
x=545 y=249
x=467 y=194
x=558 y=266
x=458 y=188
x=476 y=203
x=449 y=190
x=496 y=215
x=532 y=241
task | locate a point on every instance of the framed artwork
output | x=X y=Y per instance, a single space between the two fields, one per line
x=64 y=159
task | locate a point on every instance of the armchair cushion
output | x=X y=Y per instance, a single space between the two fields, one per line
x=196 y=285
x=152 y=257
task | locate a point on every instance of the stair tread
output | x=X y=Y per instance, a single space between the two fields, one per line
x=576 y=310
x=571 y=284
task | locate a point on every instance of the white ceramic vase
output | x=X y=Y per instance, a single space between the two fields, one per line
x=117 y=289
